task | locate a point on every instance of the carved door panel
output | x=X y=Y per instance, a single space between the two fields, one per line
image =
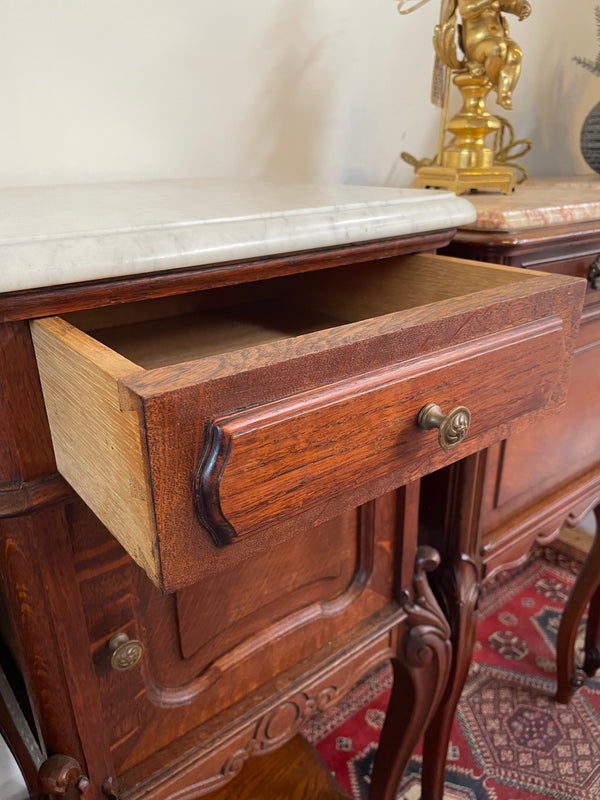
x=555 y=451
x=213 y=650
x=530 y=483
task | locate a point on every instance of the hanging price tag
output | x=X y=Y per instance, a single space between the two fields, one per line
x=438 y=82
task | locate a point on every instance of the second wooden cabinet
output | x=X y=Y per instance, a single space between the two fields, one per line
x=522 y=489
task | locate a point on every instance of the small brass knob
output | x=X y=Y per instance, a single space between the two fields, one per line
x=453 y=427
x=126 y=652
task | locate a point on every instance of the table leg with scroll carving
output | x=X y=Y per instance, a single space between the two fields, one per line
x=586 y=589
x=461 y=589
x=420 y=672
x=456 y=585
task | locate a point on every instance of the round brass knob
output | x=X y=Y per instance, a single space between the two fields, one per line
x=453 y=427
x=126 y=652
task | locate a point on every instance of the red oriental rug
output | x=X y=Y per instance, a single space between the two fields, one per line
x=511 y=740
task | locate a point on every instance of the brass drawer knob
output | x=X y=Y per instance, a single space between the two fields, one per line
x=453 y=427
x=126 y=652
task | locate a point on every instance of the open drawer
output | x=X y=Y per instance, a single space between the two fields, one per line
x=203 y=427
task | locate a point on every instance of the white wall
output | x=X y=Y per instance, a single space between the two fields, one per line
x=310 y=90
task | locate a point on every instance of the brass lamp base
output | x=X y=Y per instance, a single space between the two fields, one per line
x=463 y=179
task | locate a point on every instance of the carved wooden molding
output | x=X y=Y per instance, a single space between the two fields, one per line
x=569 y=675
x=18 y=498
x=429 y=633
x=420 y=674
x=62 y=778
x=213 y=764
x=277 y=727
x=457 y=588
x=173 y=696
x=541 y=524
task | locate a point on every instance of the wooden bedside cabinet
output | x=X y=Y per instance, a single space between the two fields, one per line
x=243 y=437
x=524 y=488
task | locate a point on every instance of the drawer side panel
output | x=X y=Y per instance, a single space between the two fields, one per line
x=97 y=443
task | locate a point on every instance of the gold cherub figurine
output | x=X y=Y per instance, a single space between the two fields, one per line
x=490 y=60
x=485 y=40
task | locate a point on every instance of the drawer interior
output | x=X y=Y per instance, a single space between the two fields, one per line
x=173 y=330
x=137 y=394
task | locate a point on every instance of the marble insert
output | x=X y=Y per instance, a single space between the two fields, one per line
x=538 y=203
x=65 y=234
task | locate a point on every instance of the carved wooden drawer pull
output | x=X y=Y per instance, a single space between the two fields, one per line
x=453 y=427
x=126 y=652
x=594 y=273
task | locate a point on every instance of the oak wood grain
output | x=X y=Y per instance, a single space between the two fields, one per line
x=499 y=502
x=101 y=445
x=287 y=620
x=97 y=442
x=294 y=772
x=366 y=428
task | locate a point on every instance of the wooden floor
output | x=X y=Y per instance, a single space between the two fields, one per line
x=582 y=536
x=294 y=772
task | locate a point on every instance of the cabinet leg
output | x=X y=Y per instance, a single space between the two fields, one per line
x=592 y=636
x=420 y=673
x=586 y=590
x=457 y=586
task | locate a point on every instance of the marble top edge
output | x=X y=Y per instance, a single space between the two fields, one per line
x=57 y=235
x=76 y=210
x=538 y=204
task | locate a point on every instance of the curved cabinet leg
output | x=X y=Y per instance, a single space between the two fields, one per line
x=592 y=636
x=457 y=586
x=586 y=590
x=420 y=673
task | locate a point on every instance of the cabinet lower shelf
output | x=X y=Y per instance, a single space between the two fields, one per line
x=293 y=772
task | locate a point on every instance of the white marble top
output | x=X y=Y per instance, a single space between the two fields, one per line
x=66 y=234
x=538 y=204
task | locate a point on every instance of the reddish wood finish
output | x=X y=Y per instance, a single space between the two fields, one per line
x=277 y=419
x=456 y=585
x=61 y=778
x=347 y=363
x=283 y=622
x=522 y=490
x=569 y=675
x=551 y=470
x=233 y=665
x=501 y=376
x=294 y=772
x=426 y=644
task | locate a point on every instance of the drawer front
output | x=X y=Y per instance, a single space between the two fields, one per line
x=195 y=466
x=586 y=265
x=264 y=466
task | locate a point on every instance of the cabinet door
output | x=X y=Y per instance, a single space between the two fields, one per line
x=535 y=470
x=234 y=664
x=529 y=483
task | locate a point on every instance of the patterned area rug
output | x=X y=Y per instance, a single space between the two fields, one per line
x=510 y=740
